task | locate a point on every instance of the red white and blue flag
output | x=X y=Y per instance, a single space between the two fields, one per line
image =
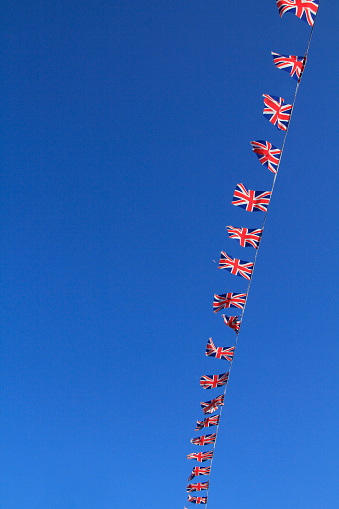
x=235 y=266
x=233 y=322
x=247 y=236
x=199 y=471
x=213 y=381
x=229 y=300
x=220 y=352
x=197 y=500
x=292 y=64
x=204 y=439
x=267 y=154
x=200 y=456
x=209 y=407
x=276 y=111
x=252 y=201
x=208 y=422
x=199 y=486
x=304 y=9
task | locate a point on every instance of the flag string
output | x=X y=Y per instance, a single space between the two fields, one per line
x=257 y=250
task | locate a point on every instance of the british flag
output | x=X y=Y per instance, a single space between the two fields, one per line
x=276 y=111
x=197 y=500
x=247 y=236
x=204 y=439
x=199 y=471
x=199 y=486
x=213 y=381
x=208 y=422
x=252 y=201
x=233 y=322
x=235 y=266
x=219 y=352
x=200 y=456
x=229 y=300
x=268 y=154
x=304 y=9
x=290 y=63
x=209 y=407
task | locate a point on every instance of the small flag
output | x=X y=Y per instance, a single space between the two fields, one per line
x=235 y=266
x=247 y=236
x=199 y=486
x=276 y=111
x=209 y=407
x=290 y=63
x=268 y=154
x=219 y=352
x=204 y=439
x=200 y=456
x=197 y=500
x=304 y=9
x=233 y=322
x=199 y=471
x=252 y=201
x=208 y=422
x=229 y=300
x=213 y=381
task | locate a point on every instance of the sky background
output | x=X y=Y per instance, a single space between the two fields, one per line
x=125 y=128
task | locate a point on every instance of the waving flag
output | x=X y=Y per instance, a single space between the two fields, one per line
x=197 y=500
x=199 y=486
x=213 y=381
x=208 y=422
x=276 y=111
x=235 y=266
x=247 y=236
x=209 y=407
x=233 y=322
x=304 y=9
x=252 y=201
x=267 y=154
x=200 y=456
x=219 y=352
x=204 y=439
x=290 y=63
x=228 y=300
x=199 y=471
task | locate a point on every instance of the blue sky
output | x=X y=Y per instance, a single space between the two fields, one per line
x=126 y=126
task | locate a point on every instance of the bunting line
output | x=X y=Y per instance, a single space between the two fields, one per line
x=204 y=499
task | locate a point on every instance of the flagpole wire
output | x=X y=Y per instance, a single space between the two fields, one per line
x=257 y=250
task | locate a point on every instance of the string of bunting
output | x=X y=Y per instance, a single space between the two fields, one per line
x=279 y=114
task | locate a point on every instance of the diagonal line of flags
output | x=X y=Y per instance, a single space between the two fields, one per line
x=279 y=114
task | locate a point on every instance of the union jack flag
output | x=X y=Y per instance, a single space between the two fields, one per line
x=208 y=422
x=276 y=111
x=290 y=63
x=199 y=486
x=197 y=500
x=267 y=154
x=304 y=9
x=233 y=322
x=200 y=456
x=213 y=381
x=229 y=300
x=209 y=407
x=247 y=236
x=235 y=266
x=204 y=439
x=199 y=471
x=219 y=352
x=252 y=201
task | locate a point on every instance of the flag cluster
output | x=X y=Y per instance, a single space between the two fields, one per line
x=278 y=112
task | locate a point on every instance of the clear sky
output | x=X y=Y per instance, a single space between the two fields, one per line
x=126 y=125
